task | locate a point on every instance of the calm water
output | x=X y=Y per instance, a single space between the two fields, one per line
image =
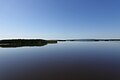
x=62 y=61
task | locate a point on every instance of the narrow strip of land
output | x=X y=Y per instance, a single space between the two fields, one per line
x=91 y=40
x=41 y=42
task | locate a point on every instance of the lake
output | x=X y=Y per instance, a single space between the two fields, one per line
x=62 y=61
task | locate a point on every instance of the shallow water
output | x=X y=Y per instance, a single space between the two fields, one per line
x=62 y=61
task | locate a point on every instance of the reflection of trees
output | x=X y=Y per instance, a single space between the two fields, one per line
x=24 y=42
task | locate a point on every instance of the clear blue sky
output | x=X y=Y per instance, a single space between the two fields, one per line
x=59 y=19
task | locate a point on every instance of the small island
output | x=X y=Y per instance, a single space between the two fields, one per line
x=25 y=42
x=9 y=43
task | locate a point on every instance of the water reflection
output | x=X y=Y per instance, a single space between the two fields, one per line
x=64 y=61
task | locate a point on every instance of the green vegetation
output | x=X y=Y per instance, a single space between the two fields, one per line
x=25 y=42
x=40 y=42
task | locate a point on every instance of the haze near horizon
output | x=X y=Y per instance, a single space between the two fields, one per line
x=59 y=19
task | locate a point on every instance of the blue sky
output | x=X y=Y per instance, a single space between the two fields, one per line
x=59 y=19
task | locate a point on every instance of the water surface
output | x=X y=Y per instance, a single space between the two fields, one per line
x=62 y=61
